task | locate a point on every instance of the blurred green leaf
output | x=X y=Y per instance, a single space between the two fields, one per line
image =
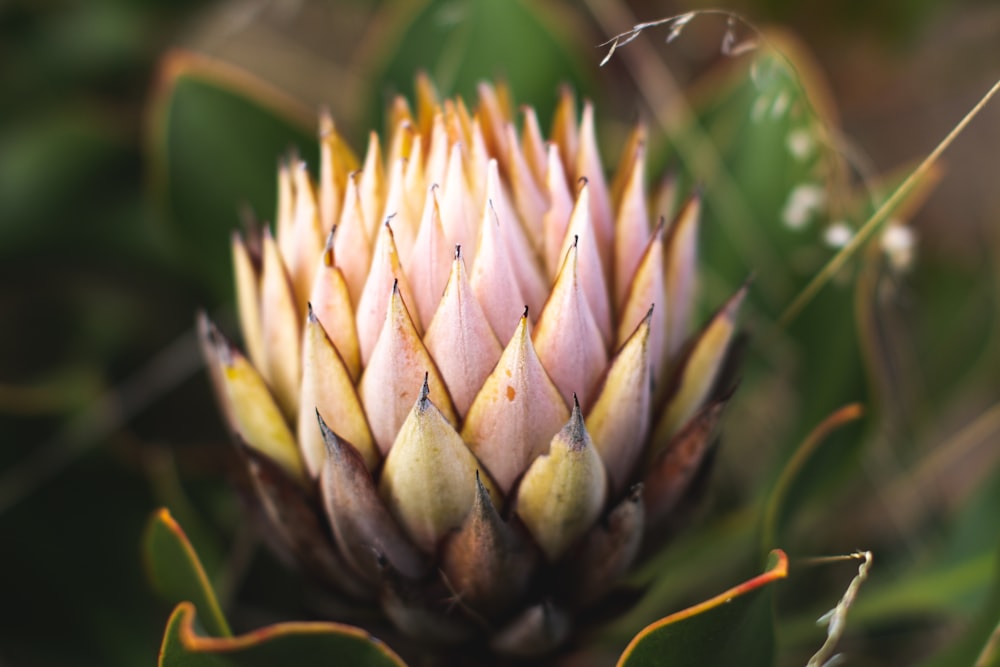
x=47 y=160
x=734 y=628
x=776 y=511
x=462 y=42
x=313 y=643
x=177 y=573
x=754 y=138
x=217 y=133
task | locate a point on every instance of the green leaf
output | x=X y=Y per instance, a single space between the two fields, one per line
x=198 y=635
x=733 y=628
x=313 y=643
x=738 y=144
x=776 y=510
x=177 y=573
x=217 y=133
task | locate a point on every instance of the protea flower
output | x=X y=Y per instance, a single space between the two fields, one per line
x=470 y=388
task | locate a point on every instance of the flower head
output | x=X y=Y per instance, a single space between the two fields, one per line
x=470 y=386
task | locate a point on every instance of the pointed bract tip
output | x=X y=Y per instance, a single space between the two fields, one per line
x=395 y=286
x=582 y=182
x=575 y=430
x=524 y=315
x=732 y=307
x=330 y=439
x=310 y=313
x=214 y=338
x=482 y=491
x=425 y=390
x=634 y=493
x=458 y=251
x=204 y=324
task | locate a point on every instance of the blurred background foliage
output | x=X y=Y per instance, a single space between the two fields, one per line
x=125 y=163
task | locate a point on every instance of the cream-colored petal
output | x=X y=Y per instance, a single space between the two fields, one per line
x=520 y=252
x=281 y=323
x=619 y=420
x=461 y=340
x=565 y=131
x=567 y=338
x=563 y=493
x=386 y=276
x=533 y=144
x=493 y=279
x=284 y=223
x=632 y=230
x=414 y=180
x=697 y=372
x=590 y=267
x=623 y=173
x=351 y=243
x=371 y=185
x=589 y=166
x=429 y=478
x=330 y=300
x=308 y=239
x=427 y=103
x=392 y=379
x=403 y=135
x=665 y=201
x=648 y=288
x=398 y=209
x=681 y=266
x=397 y=114
x=453 y=123
x=336 y=161
x=529 y=199
x=436 y=168
x=327 y=387
x=253 y=412
x=459 y=215
x=494 y=119
x=427 y=266
x=465 y=119
x=556 y=219
x=248 y=292
x=504 y=98
x=515 y=414
x=477 y=162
